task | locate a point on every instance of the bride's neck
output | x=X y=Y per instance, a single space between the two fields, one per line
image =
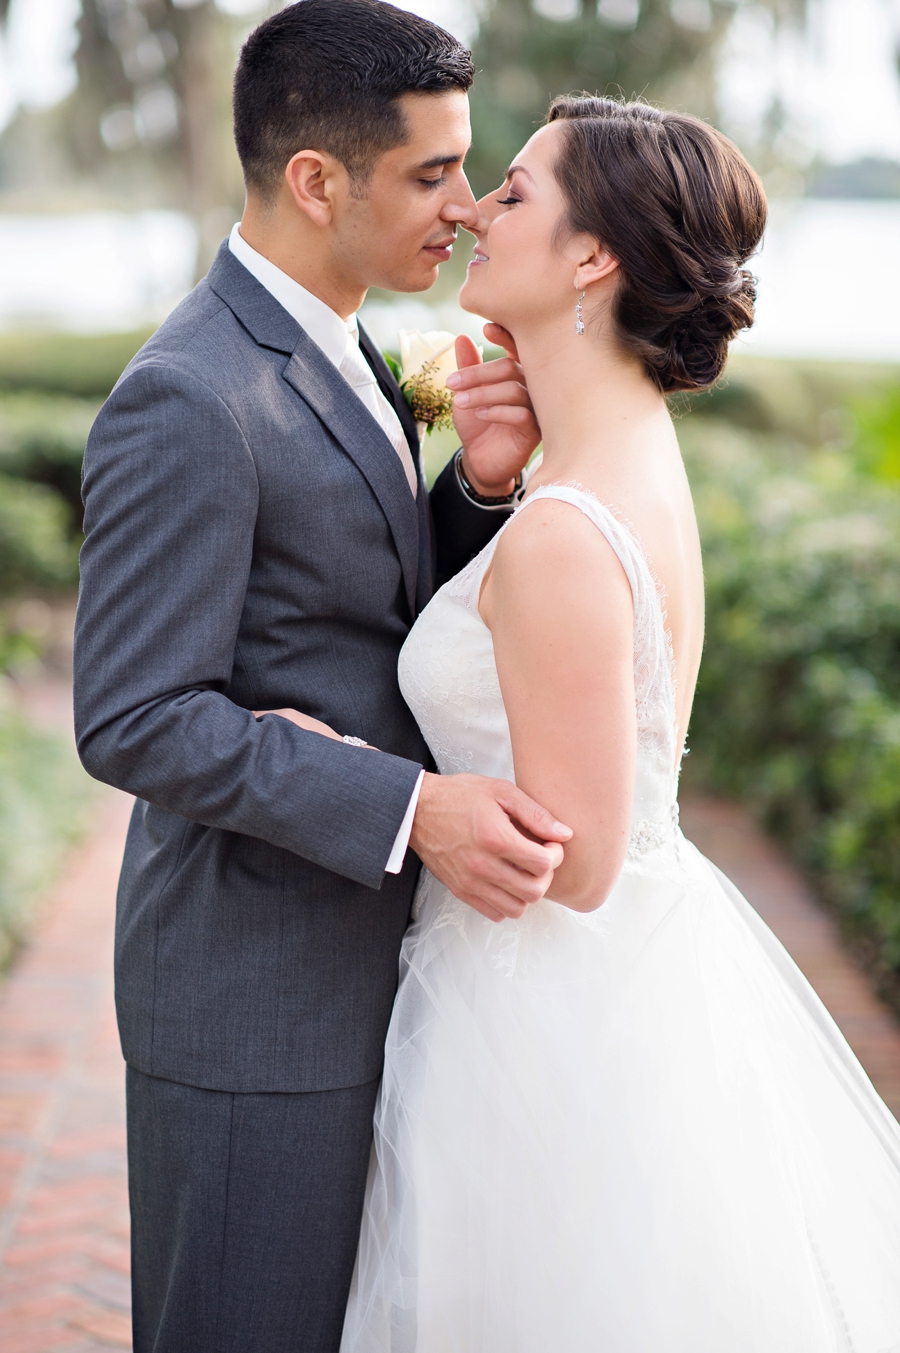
x=589 y=394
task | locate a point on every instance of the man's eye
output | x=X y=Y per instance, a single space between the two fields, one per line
x=433 y=183
x=508 y=201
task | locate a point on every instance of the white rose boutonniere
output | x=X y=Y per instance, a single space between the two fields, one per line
x=426 y=360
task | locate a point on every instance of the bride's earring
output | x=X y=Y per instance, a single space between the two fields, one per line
x=579 y=316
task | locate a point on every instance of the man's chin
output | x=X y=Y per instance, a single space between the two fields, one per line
x=421 y=277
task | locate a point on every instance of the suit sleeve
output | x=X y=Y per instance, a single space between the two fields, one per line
x=461 y=527
x=171 y=498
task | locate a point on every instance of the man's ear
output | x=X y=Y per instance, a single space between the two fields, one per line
x=315 y=181
x=597 y=265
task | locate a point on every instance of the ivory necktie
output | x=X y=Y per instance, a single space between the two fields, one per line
x=357 y=373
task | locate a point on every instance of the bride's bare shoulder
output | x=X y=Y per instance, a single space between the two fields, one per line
x=553 y=530
x=552 y=554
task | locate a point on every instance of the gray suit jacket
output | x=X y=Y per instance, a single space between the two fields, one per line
x=251 y=543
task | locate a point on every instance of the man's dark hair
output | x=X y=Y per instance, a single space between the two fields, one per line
x=326 y=75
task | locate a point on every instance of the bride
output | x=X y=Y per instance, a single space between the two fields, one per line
x=621 y=1122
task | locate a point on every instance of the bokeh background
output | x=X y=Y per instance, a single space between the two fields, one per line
x=118 y=181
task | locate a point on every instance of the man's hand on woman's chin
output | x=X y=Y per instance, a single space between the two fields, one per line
x=490 y=844
x=493 y=414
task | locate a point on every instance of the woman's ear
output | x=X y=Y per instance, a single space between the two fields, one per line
x=313 y=181
x=598 y=265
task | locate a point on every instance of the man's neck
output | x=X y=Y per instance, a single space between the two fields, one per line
x=303 y=253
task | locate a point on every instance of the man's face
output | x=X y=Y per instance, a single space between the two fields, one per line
x=404 y=227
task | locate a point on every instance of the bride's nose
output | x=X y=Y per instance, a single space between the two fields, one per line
x=481 y=218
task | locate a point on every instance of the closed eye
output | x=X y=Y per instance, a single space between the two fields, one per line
x=508 y=201
x=433 y=183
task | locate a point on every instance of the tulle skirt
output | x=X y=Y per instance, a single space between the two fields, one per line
x=636 y=1131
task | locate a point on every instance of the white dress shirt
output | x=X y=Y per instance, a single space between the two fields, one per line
x=339 y=340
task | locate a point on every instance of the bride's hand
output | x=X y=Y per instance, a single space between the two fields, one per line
x=493 y=414
x=302 y=721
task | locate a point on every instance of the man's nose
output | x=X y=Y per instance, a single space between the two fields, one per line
x=461 y=206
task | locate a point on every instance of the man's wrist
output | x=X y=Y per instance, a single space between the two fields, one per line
x=485 y=495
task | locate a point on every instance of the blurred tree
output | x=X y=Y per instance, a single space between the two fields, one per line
x=149 y=120
x=153 y=99
x=527 y=51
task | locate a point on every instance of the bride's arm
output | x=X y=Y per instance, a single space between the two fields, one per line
x=560 y=610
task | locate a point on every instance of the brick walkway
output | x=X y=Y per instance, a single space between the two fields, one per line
x=63 y=1208
x=725 y=833
x=63 y=1201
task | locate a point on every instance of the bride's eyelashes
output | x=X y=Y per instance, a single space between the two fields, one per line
x=507 y=201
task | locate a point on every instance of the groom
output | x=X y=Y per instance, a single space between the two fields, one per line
x=259 y=535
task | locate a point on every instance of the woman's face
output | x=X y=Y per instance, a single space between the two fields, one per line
x=523 y=270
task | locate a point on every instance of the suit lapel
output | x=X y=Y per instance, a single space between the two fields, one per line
x=394 y=395
x=391 y=391
x=317 y=381
x=323 y=388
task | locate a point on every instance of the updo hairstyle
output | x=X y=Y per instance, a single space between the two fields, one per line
x=680 y=209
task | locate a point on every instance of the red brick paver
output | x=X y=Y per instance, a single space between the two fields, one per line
x=727 y=835
x=63 y=1196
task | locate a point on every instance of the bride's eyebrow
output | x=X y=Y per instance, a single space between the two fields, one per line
x=517 y=169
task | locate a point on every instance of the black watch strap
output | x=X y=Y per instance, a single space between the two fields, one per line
x=482 y=500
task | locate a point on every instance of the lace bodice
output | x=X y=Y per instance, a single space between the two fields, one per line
x=449 y=678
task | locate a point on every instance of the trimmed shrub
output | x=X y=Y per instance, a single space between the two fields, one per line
x=36 y=546
x=75 y=364
x=798 y=702
x=42 y=440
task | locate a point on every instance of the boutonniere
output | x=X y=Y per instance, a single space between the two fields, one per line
x=426 y=360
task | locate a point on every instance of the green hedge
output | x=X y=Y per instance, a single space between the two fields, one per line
x=42 y=440
x=74 y=364
x=45 y=801
x=798 y=702
x=45 y=796
x=36 y=546
x=51 y=387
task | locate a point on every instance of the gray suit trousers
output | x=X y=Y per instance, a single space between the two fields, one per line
x=264 y=1191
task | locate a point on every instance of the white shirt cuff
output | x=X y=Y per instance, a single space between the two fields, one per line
x=398 y=850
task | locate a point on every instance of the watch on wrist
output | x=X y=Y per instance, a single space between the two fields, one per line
x=482 y=499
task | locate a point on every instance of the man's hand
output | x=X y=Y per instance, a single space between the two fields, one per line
x=493 y=414
x=490 y=844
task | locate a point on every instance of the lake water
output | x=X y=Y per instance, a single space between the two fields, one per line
x=829 y=279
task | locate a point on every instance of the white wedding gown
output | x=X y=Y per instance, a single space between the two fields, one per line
x=632 y=1131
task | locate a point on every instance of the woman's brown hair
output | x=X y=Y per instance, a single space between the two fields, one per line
x=676 y=203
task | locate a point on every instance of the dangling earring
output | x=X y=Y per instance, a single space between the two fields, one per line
x=579 y=316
